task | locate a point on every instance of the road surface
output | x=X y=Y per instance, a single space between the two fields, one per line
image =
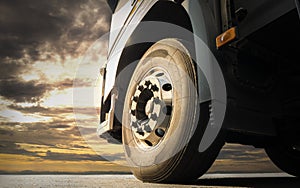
x=209 y=180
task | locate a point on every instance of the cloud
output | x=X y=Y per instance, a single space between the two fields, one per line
x=13 y=148
x=72 y=157
x=21 y=91
x=241 y=153
x=6 y=132
x=60 y=126
x=79 y=146
x=32 y=28
x=10 y=68
x=32 y=91
x=48 y=32
x=47 y=133
x=41 y=45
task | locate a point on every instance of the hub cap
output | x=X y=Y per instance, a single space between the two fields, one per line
x=151 y=108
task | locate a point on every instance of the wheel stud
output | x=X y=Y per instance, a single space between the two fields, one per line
x=147 y=83
x=140 y=132
x=154 y=88
x=141 y=88
x=156 y=100
x=167 y=87
x=151 y=102
x=133 y=112
x=135 y=99
x=147 y=128
x=159 y=132
x=153 y=117
x=134 y=124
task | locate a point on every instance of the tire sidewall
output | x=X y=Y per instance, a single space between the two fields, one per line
x=176 y=63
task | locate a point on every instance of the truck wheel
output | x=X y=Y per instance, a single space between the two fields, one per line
x=287 y=158
x=163 y=122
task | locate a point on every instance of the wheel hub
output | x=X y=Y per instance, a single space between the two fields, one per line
x=151 y=107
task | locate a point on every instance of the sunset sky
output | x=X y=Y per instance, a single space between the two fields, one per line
x=43 y=50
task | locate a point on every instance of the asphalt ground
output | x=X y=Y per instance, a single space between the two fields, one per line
x=208 y=180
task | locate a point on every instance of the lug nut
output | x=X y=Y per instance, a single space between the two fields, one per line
x=156 y=100
x=167 y=87
x=135 y=98
x=147 y=83
x=140 y=132
x=154 y=88
x=134 y=124
x=147 y=128
x=159 y=132
x=141 y=88
x=133 y=112
x=153 y=116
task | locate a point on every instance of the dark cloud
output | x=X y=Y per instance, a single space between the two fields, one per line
x=11 y=69
x=40 y=110
x=55 y=112
x=79 y=146
x=13 y=148
x=241 y=153
x=32 y=30
x=77 y=82
x=45 y=135
x=27 y=91
x=63 y=84
x=33 y=27
x=6 y=132
x=40 y=133
x=60 y=126
x=31 y=91
x=21 y=91
x=72 y=157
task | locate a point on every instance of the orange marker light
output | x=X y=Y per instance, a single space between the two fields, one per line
x=226 y=37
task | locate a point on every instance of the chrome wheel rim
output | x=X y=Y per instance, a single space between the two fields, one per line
x=151 y=108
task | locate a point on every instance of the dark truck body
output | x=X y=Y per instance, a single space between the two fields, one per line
x=185 y=76
x=260 y=67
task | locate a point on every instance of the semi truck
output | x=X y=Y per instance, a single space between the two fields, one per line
x=184 y=77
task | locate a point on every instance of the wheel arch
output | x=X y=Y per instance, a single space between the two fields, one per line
x=161 y=11
x=134 y=49
x=186 y=17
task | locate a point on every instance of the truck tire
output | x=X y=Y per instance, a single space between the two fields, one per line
x=163 y=122
x=285 y=153
x=287 y=158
